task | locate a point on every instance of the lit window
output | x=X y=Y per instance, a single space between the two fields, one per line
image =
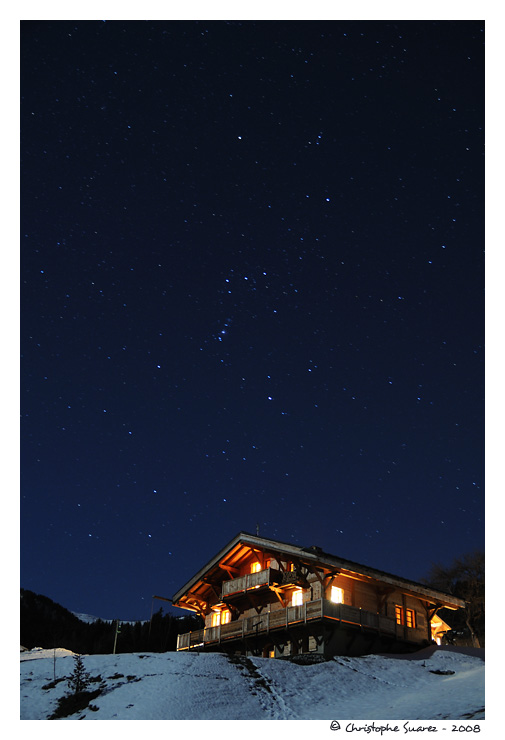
x=255 y=567
x=215 y=620
x=410 y=618
x=267 y=563
x=337 y=595
x=218 y=618
x=297 y=598
x=399 y=614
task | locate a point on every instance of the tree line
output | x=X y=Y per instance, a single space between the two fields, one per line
x=44 y=623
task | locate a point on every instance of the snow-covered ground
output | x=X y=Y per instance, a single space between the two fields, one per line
x=438 y=684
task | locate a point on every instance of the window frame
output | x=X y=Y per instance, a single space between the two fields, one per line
x=405 y=617
x=410 y=619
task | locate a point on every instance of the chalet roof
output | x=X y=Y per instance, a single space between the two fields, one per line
x=315 y=556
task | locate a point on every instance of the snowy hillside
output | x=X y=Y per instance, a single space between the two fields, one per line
x=88 y=618
x=440 y=684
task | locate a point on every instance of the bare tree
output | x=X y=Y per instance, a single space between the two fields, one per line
x=464 y=578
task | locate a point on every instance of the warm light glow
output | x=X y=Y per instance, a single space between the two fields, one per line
x=410 y=618
x=438 y=628
x=220 y=617
x=337 y=595
x=297 y=598
x=407 y=617
x=255 y=567
x=215 y=619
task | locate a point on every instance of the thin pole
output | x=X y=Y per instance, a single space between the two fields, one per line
x=118 y=630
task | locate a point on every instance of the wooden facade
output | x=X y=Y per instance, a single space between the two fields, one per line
x=263 y=597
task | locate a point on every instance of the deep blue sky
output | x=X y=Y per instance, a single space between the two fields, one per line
x=252 y=278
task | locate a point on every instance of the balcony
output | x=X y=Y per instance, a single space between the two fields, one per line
x=251 y=581
x=282 y=618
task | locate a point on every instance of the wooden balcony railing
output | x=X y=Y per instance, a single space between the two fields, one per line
x=251 y=580
x=308 y=611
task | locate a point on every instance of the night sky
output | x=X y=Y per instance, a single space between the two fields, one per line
x=252 y=295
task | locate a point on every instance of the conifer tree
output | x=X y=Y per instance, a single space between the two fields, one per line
x=79 y=680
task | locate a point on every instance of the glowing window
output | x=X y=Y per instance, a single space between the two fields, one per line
x=218 y=618
x=410 y=618
x=255 y=567
x=399 y=614
x=297 y=598
x=337 y=595
x=215 y=619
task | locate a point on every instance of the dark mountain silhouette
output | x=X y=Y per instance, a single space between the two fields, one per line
x=44 y=623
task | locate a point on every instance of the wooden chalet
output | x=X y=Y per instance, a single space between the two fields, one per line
x=263 y=597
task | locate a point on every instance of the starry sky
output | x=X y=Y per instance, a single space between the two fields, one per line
x=252 y=296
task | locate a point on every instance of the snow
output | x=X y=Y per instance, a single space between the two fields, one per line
x=213 y=686
x=88 y=618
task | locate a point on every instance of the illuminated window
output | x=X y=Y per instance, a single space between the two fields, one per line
x=337 y=595
x=215 y=619
x=399 y=614
x=255 y=567
x=267 y=563
x=410 y=618
x=218 y=618
x=297 y=598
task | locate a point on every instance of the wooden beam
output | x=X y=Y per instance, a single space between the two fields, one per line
x=198 y=608
x=229 y=569
x=382 y=594
x=299 y=570
x=278 y=593
x=258 y=608
x=210 y=585
x=329 y=579
x=431 y=612
x=232 y=608
x=315 y=571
